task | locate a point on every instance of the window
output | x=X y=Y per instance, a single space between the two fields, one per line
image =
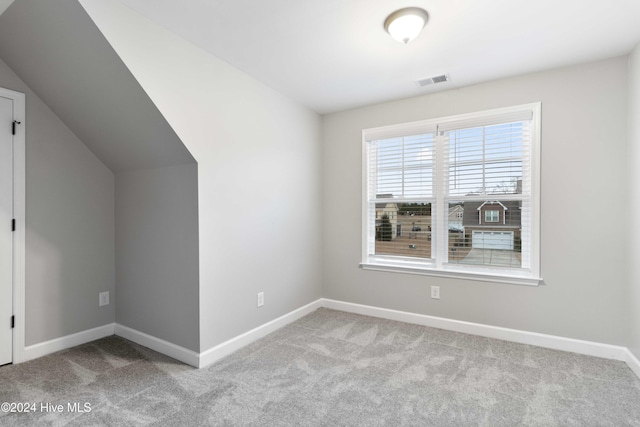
x=456 y=196
x=491 y=216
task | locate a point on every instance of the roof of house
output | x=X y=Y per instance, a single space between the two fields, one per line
x=455 y=208
x=391 y=205
x=511 y=209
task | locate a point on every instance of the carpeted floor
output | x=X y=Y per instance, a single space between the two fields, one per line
x=328 y=368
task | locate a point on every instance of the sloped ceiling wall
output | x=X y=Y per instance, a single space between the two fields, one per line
x=59 y=52
x=4 y=4
x=259 y=169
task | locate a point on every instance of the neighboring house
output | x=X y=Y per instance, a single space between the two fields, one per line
x=493 y=224
x=391 y=210
x=456 y=214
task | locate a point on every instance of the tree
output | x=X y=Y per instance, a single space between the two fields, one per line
x=386 y=231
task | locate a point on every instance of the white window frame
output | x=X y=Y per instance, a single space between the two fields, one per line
x=489 y=218
x=528 y=275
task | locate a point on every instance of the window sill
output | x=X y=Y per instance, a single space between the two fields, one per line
x=490 y=276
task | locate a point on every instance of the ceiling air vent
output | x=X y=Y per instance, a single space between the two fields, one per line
x=432 y=80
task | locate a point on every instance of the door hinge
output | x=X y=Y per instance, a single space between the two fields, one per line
x=13 y=322
x=13 y=225
x=13 y=126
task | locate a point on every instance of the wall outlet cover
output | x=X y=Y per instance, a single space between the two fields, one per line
x=103 y=299
x=260 y=299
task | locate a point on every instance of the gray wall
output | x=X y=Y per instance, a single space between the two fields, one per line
x=70 y=225
x=259 y=189
x=634 y=237
x=255 y=213
x=157 y=253
x=584 y=181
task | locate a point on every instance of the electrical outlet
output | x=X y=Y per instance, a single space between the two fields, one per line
x=103 y=298
x=260 y=299
x=435 y=292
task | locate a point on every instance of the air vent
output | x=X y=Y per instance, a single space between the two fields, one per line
x=432 y=80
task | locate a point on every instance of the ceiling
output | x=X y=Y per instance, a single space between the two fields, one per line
x=332 y=55
x=329 y=55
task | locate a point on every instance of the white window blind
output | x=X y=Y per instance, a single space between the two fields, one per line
x=457 y=194
x=403 y=167
x=486 y=160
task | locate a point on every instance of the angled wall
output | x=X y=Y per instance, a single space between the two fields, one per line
x=58 y=51
x=258 y=174
x=69 y=225
x=4 y=4
x=157 y=253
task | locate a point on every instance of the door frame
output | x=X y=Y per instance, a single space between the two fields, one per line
x=19 y=213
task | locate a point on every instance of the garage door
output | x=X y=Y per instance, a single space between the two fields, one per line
x=492 y=240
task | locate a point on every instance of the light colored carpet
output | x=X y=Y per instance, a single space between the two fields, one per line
x=330 y=368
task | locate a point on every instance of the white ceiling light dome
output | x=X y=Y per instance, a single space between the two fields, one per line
x=405 y=24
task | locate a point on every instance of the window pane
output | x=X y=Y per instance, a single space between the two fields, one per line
x=477 y=172
x=489 y=234
x=485 y=160
x=403 y=167
x=492 y=216
x=403 y=229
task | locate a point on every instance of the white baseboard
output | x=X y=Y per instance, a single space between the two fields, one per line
x=523 y=337
x=177 y=352
x=200 y=360
x=42 y=349
x=226 y=348
x=633 y=362
x=182 y=354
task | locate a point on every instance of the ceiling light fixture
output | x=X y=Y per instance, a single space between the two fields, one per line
x=405 y=24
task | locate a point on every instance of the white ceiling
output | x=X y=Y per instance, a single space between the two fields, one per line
x=331 y=55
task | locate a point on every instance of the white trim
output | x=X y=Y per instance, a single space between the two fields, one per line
x=201 y=360
x=536 y=184
x=439 y=215
x=226 y=348
x=458 y=273
x=19 y=202
x=177 y=352
x=42 y=349
x=493 y=116
x=523 y=337
x=492 y=202
x=190 y=357
x=633 y=362
x=364 y=199
x=19 y=248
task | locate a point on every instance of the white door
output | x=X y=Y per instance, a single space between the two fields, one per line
x=492 y=240
x=6 y=236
